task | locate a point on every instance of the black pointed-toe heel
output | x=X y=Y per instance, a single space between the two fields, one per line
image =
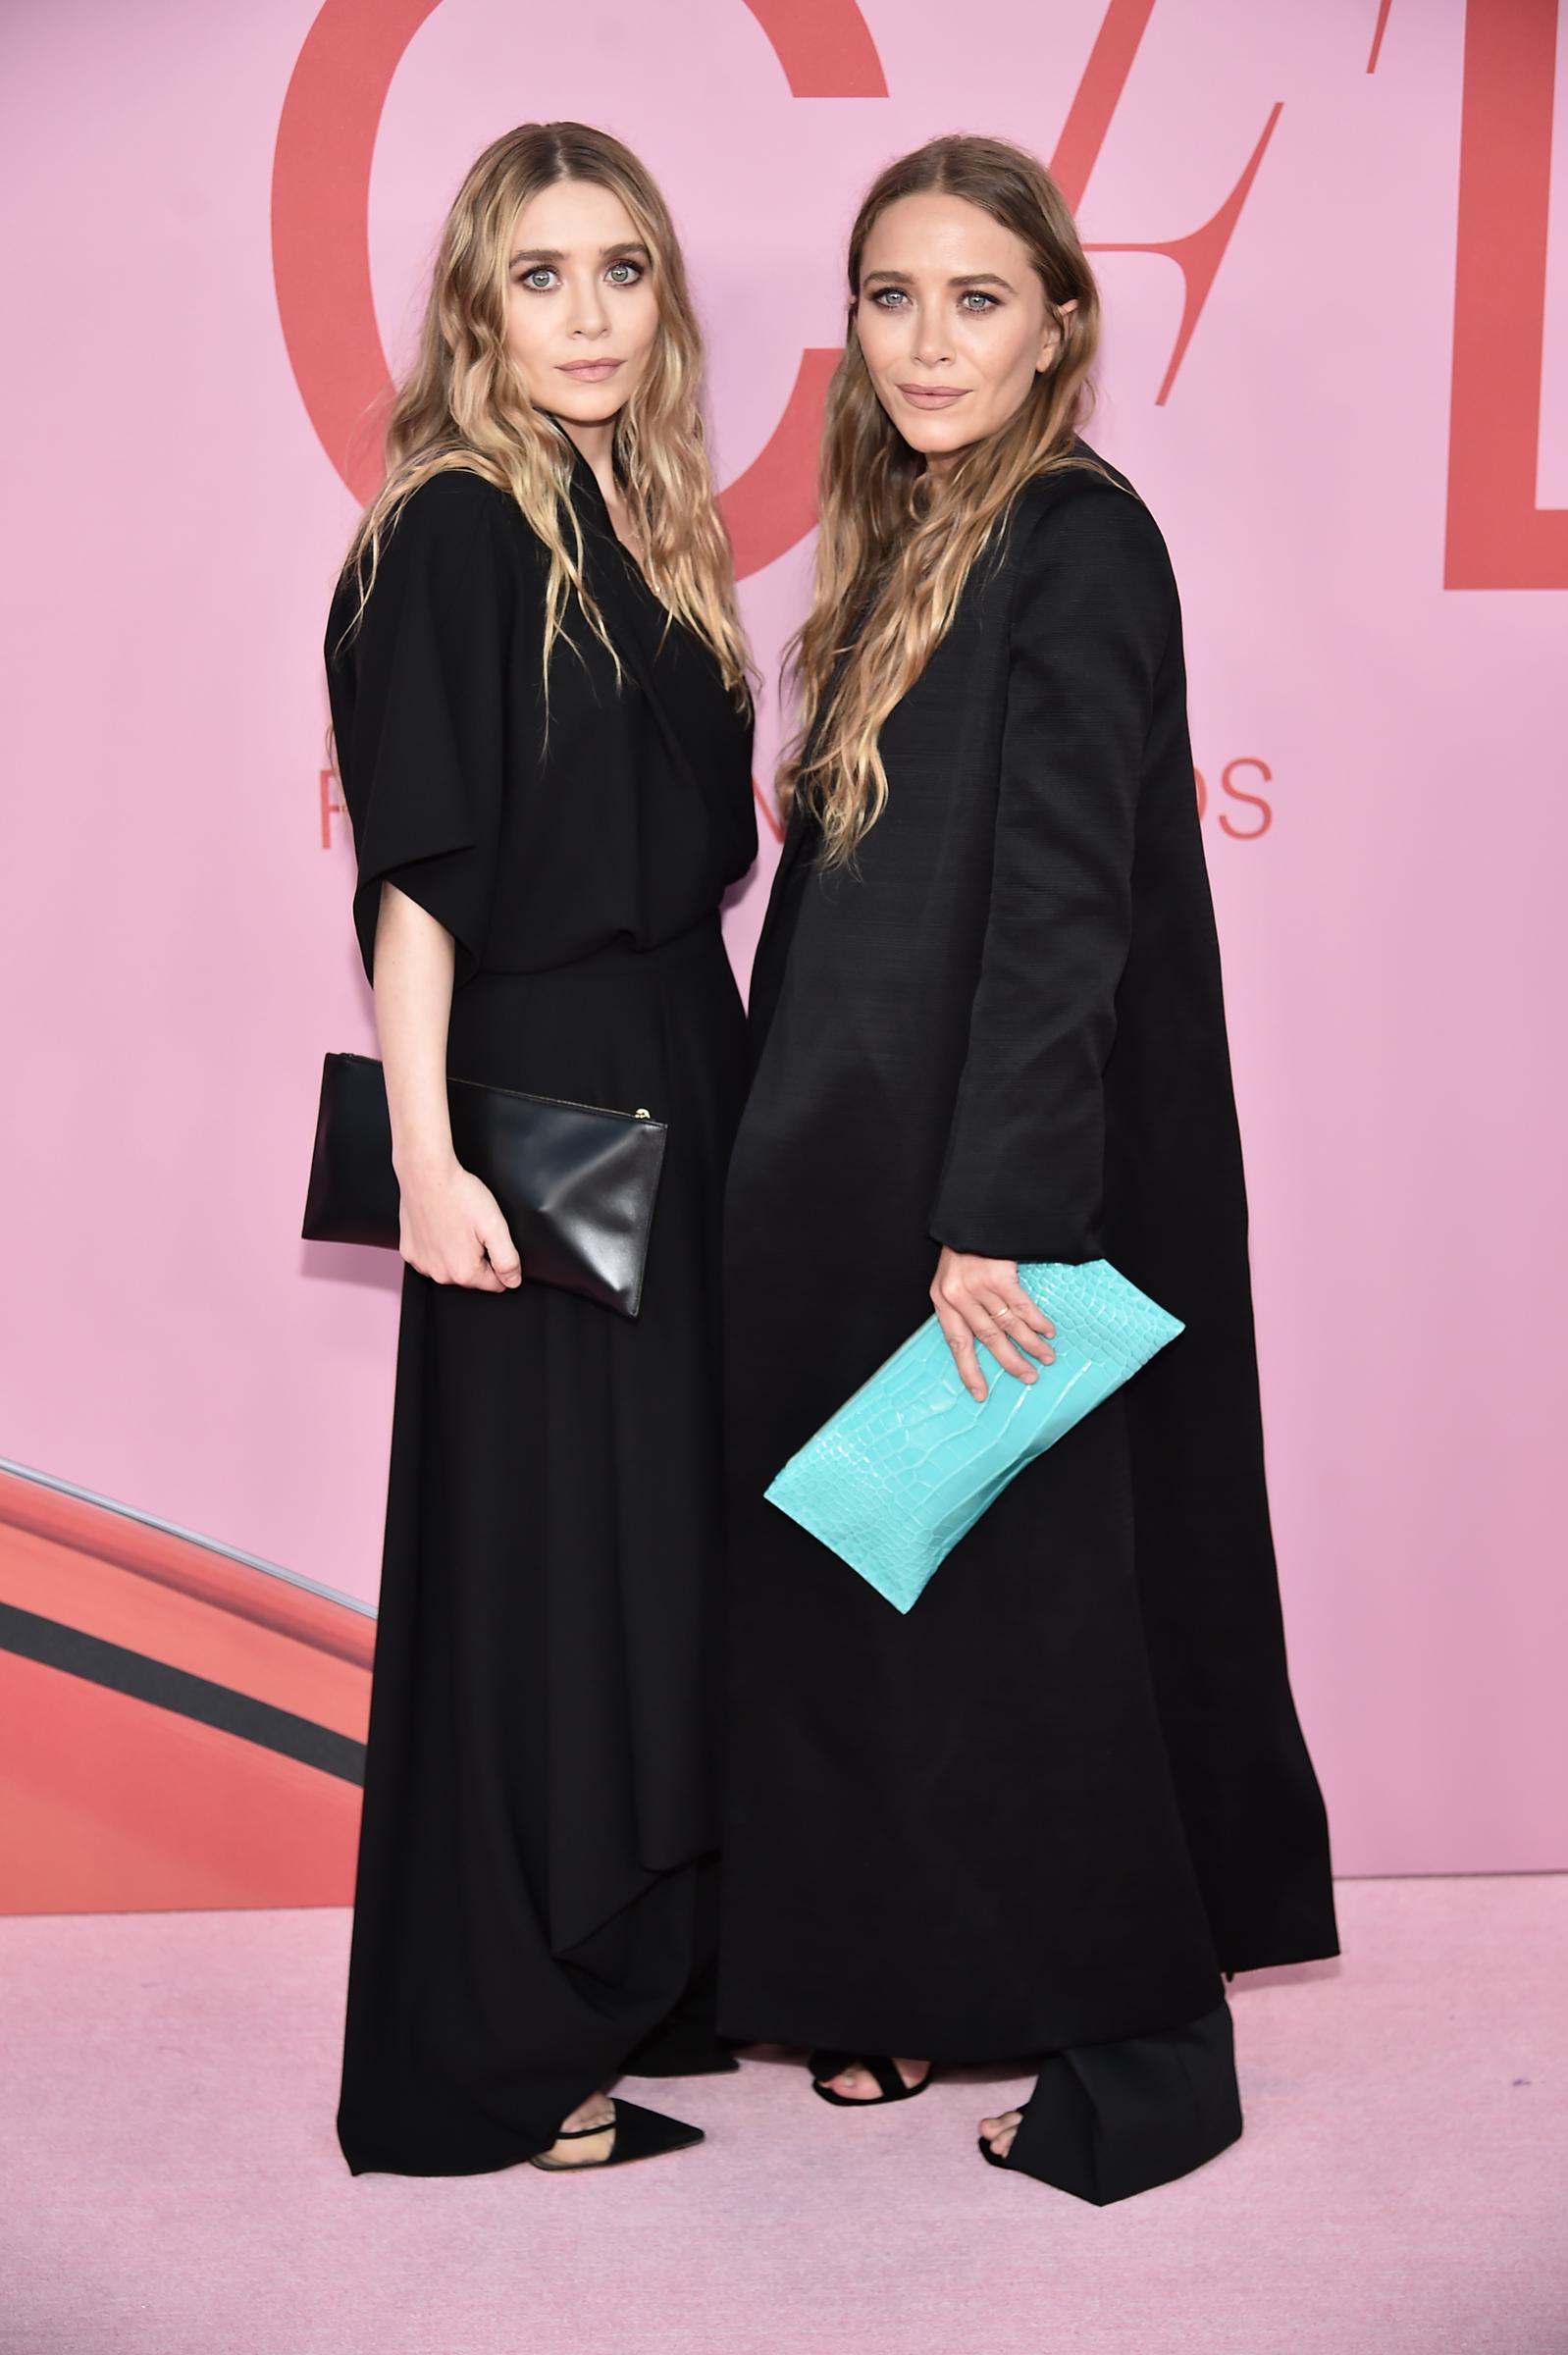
x=639 y=2135
x=891 y=2086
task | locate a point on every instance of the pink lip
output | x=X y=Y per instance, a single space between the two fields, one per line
x=589 y=371
x=934 y=396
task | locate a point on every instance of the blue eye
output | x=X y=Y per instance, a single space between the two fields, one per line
x=887 y=298
x=531 y=279
x=978 y=296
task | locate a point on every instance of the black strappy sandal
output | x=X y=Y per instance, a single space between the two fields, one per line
x=639 y=2135
x=891 y=2086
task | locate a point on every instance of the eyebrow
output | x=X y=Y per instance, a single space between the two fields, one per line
x=975 y=278
x=628 y=249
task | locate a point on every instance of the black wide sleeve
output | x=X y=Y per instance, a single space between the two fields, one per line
x=1093 y=608
x=422 y=759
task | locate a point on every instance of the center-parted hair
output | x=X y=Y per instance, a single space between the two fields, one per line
x=897 y=544
x=463 y=405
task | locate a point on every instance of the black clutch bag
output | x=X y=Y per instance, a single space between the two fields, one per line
x=576 y=1185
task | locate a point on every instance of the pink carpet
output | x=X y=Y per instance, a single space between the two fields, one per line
x=171 y=2184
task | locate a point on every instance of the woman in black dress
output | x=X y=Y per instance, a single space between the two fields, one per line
x=541 y=712
x=1042 y=1814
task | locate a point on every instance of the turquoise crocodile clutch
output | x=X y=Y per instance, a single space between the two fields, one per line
x=911 y=1462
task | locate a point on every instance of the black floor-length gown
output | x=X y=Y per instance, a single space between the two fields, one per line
x=1051 y=1804
x=535 y=1902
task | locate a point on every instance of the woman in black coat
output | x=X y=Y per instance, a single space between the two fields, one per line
x=540 y=715
x=1045 y=1811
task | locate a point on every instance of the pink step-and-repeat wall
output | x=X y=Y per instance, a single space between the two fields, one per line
x=1335 y=257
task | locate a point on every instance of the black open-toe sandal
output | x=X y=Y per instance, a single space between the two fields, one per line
x=990 y=2157
x=890 y=2085
x=639 y=2135
x=1107 y=2120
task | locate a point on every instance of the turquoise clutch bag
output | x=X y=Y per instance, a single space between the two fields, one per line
x=911 y=1462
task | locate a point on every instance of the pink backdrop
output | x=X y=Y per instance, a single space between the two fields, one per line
x=1369 y=407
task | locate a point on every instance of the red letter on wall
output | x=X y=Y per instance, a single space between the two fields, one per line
x=1498 y=536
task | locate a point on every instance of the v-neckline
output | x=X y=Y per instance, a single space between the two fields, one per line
x=585 y=479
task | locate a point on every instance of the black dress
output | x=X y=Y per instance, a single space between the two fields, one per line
x=535 y=1901
x=1052 y=1804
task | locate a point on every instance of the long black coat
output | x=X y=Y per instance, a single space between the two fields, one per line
x=1055 y=1801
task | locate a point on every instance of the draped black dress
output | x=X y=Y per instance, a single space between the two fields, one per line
x=535 y=1904
x=1048 y=1807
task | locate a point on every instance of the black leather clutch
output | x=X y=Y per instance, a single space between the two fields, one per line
x=577 y=1185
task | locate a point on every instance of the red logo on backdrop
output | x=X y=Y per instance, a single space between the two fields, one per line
x=1498 y=537
x=319 y=203
x=321 y=257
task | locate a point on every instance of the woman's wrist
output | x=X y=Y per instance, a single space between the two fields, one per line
x=423 y=1161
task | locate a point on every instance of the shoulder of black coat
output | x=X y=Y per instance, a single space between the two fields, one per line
x=1088 y=509
x=454 y=504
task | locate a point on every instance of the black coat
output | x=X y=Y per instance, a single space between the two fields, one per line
x=1055 y=1801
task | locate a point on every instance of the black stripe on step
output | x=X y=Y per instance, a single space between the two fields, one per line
x=55 y=1645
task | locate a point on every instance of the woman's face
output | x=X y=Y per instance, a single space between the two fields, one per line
x=582 y=317
x=952 y=322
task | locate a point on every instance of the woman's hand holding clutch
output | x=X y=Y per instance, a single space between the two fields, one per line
x=451 y=1227
x=452 y=1231
x=982 y=1300
x=911 y=1461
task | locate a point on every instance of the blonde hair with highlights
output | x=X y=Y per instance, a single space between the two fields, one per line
x=463 y=406
x=897 y=544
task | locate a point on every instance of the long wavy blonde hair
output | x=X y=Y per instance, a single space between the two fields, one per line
x=464 y=408
x=897 y=544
